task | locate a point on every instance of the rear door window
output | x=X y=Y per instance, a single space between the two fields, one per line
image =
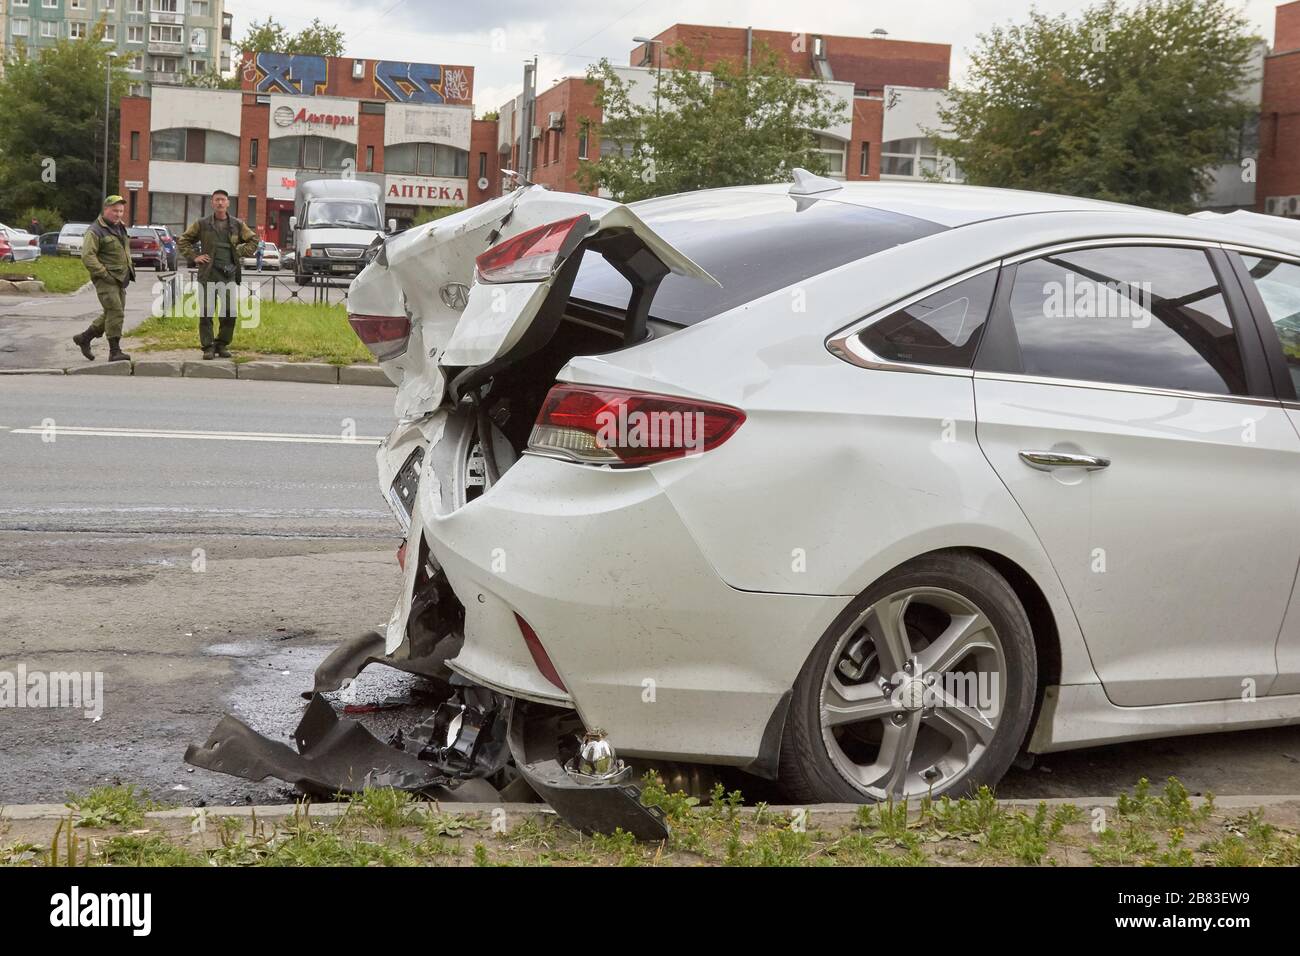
x=1148 y=316
x=752 y=243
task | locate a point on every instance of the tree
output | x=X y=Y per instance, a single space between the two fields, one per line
x=52 y=127
x=732 y=126
x=212 y=80
x=1129 y=104
x=269 y=36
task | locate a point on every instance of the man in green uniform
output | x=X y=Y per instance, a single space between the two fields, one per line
x=217 y=243
x=106 y=253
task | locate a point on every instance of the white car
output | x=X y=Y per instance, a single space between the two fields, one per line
x=270 y=258
x=70 y=238
x=23 y=246
x=866 y=487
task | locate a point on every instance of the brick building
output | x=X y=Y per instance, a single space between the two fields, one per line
x=890 y=91
x=1278 y=188
x=407 y=126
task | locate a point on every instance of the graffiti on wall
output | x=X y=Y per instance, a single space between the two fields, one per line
x=301 y=73
x=400 y=82
x=420 y=82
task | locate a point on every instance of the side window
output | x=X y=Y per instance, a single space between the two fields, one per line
x=941 y=329
x=1279 y=286
x=1138 y=315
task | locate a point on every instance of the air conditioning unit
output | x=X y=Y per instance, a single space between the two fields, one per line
x=536 y=133
x=1282 y=206
x=555 y=120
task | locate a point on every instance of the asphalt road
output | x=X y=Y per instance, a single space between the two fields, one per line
x=204 y=544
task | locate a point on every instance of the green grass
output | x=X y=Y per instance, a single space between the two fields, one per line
x=59 y=273
x=390 y=828
x=301 y=331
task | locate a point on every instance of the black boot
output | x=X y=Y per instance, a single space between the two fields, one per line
x=115 y=353
x=83 y=341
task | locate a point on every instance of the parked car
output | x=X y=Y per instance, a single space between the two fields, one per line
x=147 y=248
x=270 y=258
x=865 y=487
x=70 y=237
x=169 y=245
x=49 y=243
x=23 y=246
x=287 y=260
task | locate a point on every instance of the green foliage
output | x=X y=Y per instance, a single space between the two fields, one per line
x=212 y=80
x=270 y=36
x=1127 y=103
x=733 y=126
x=430 y=213
x=51 y=220
x=53 y=158
x=59 y=273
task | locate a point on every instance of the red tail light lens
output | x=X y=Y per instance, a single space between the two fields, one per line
x=539 y=655
x=385 y=335
x=533 y=255
x=612 y=426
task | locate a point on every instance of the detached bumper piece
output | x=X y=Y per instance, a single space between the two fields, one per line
x=579 y=775
x=333 y=757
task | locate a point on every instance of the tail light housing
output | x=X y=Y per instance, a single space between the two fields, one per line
x=595 y=425
x=538 y=653
x=533 y=255
x=385 y=335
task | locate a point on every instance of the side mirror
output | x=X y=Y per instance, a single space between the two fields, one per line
x=392 y=225
x=293 y=222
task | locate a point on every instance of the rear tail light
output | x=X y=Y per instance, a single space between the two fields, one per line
x=533 y=255
x=33 y=242
x=385 y=335
x=539 y=655
x=614 y=426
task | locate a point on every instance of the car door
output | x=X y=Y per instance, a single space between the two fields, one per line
x=1123 y=398
x=1272 y=286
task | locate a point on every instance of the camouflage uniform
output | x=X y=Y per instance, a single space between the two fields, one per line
x=228 y=241
x=106 y=254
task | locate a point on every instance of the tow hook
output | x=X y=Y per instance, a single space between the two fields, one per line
x=596 y=762
x=592 y=790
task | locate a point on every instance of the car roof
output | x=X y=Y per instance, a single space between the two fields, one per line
x=955 y=205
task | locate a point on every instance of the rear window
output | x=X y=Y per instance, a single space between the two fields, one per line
x=752 y=243
x=75 y=229
x=141 y=233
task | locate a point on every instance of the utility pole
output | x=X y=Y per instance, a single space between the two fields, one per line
x=529 y=116
x=108 y=83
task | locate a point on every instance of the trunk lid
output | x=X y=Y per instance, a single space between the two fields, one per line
x=460 y=330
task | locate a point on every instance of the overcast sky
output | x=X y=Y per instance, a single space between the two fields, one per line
x=496 y=36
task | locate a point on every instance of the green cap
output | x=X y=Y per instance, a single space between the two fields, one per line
x=113 y=200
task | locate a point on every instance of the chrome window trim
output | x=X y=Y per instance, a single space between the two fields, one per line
x=844 y=346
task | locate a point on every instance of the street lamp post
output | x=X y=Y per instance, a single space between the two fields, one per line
x=108 y=82
x=659 y=64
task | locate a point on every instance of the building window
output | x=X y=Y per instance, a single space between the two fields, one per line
x=198 y=40
x=311 y=152
x=135 y=89
x=482 y=165
x=108 y=6
x=135 y=144
x=77 y=29
x=358 y=69
x=76 y=4
x=370 y=159
x=582 y=143
x=200 y=8
x=166 y=64
x=50 y=29
x=194 y=146
x=252 y=152
x=21 y=27
x=426 y=159
x=136 y=63
x=50 y=4
x=162 y=33
x=135 y=34
x=198 y=67
x=611 y=147
x=21 y=3
x=915 y=158
x=833 y=149
x=110 y=32
x=374 y=109
x=137 y=6
x=252 y=212
x=164 y=6
x=864 y=164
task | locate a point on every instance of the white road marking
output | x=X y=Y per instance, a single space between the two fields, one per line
x=91 y=431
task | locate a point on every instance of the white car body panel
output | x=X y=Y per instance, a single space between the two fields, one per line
x=651 y=574
x=20 y=242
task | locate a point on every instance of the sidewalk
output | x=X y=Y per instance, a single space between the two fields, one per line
x=36 y=331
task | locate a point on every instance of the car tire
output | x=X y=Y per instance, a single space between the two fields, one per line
x=830 y=756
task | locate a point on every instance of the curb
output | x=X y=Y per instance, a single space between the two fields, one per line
x=259 y=371
x=830 y=812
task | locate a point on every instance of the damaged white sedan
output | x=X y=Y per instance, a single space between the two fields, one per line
x=840 y=484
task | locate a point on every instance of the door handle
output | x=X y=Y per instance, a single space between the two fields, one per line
x=1047 y=460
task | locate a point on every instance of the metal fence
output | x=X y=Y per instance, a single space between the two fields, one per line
x=269 y=287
